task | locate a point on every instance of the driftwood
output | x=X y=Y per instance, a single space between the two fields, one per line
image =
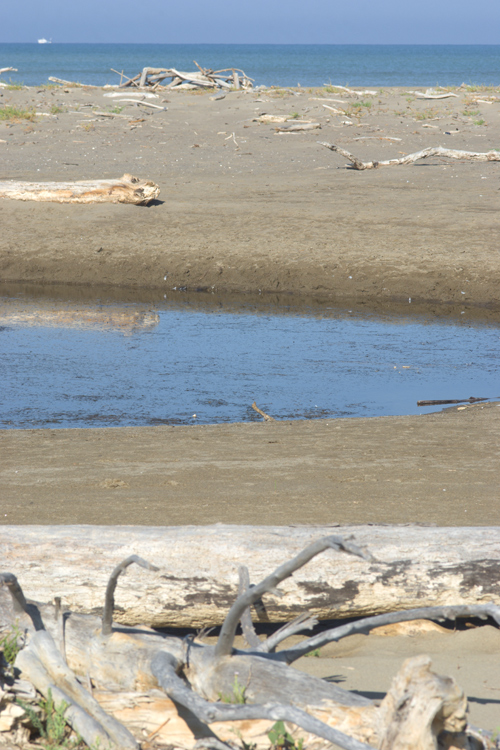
x=440 y=402
x=227 y=78
x=420 y=710
x=198 y=575
x=144 y=104
x=428 y=95
x=126 y=189
x=370 y=92
x=267 y=417
x=295 y=127
x=74 y=84
x=448 y=153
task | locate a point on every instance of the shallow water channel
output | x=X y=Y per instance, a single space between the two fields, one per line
x=205 y=359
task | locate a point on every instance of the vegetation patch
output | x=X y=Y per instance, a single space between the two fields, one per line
x=14 y=114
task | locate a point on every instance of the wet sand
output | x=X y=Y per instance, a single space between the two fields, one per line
x=438 y=468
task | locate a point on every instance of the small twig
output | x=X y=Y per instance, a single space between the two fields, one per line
x=156 y=731
x=267 y=417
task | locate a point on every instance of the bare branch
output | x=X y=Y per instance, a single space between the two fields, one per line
x=249 y=633
x=368 y=623
x=164 y=671
x=109 y=602
x=303 y=622
x=15 y=590
x=226 y=638
x=411 y=158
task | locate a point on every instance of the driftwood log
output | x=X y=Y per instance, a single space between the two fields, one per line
x=448 y=153
x=126 y=189
x=198 y=577
x=213 y=684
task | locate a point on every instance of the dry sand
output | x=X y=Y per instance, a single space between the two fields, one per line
x=243 y=209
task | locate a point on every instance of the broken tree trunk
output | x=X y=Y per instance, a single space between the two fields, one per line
x=58 y=645
x=197 y=579
x=126 y=189
x=448 y=153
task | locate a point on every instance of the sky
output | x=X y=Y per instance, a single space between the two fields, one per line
x=255 y=22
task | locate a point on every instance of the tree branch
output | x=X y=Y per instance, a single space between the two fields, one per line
x=164 y=671
x=249 y=633
x=109 y=601
x=368 y=623
x=226 y=638
x=303 y=622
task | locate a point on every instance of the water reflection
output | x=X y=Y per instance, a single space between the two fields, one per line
x=53 y=314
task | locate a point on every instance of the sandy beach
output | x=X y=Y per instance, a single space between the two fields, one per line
x=244 y=209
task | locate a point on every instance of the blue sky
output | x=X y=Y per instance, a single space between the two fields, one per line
x=258 y=21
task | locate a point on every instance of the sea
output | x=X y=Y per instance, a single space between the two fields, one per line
x=267 y=64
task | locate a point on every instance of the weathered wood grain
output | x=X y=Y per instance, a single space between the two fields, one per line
x=197 y=581
x=126 y=189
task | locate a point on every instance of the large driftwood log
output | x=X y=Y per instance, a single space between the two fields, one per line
x=197 y=579
x=448 y=153
x=126 y=189
x=418 y=710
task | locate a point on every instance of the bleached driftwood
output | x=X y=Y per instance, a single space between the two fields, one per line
x=7 y=70
x=370 y=92
x=448 y=153
x=295 y=127
x=198 y=569
x=59 y=645
x=144 y=104
x=202 y=78
x=126 y=189
x=435 y=96
x=135 y=94
x=74 y=84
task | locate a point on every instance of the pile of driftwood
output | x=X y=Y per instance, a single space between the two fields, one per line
x=204 y=78
x=131 y=687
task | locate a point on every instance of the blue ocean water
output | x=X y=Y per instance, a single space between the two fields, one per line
x=267 y=64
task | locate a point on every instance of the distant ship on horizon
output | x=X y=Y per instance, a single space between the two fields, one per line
x=45 y=41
